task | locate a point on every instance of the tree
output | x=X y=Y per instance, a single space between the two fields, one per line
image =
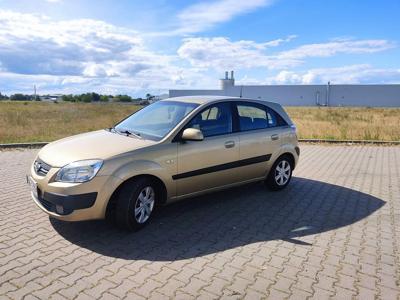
x=3 y=97
x=68 y=98
x=104 y=98
x=95 y=97
x=86 y=97
x=18 y=97
x=149 y=96
x=124 y=98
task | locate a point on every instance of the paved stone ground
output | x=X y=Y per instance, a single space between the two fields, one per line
x=334 y=233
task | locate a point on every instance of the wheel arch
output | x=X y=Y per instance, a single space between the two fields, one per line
x=287 y=154
x=290 y=151
x=291 y=158
x=161 y=187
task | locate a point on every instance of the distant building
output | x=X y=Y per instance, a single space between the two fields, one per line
x=374 y=95
x=51 y=98
x=157 y=98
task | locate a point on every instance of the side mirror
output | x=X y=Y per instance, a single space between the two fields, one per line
x=192 y=134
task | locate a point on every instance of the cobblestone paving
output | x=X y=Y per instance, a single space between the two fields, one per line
x=334 y=233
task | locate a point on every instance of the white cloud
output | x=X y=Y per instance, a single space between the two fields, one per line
x=287 y=77
x=220 y=53
x=54 y=1
x=35 y=44
x=351 y=74
x=278 y=42
x=84 y=53
x=337 y=47
x=150 y=80
x=206 y=14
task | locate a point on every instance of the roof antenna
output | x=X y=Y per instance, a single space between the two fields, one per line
x=241 y=91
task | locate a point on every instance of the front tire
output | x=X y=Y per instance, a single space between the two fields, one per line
x=280 y=174
x=136 y=203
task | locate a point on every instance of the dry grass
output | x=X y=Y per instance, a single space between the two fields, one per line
x=36 y=121
x=347 y=123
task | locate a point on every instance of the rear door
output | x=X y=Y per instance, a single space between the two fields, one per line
x=259 y=138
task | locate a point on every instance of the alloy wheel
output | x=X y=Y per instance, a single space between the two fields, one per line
x=282 y=172
x=144 y=204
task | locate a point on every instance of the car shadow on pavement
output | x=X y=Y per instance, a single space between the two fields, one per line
x=228 y=219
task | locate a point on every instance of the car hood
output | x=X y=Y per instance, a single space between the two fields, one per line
x=100 y=144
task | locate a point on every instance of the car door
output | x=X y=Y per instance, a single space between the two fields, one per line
x=259 y=139
x=207 y=164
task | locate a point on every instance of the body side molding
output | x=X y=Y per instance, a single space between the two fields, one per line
x=222 y=167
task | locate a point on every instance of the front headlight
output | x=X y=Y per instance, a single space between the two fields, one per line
x=79 y=171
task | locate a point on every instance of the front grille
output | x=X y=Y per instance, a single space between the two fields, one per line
x=41 y=168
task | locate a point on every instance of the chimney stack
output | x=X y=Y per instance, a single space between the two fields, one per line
x=226 y=82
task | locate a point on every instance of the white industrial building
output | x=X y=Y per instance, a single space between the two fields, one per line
x=373 y=95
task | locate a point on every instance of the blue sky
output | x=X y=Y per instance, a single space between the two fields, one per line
x=135 y=47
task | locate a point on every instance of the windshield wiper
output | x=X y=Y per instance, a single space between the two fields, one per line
x=128 y=133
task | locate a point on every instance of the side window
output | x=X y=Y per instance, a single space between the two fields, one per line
x=215 y=120
x=252 y=116
x=274 y=119
x=210 y=114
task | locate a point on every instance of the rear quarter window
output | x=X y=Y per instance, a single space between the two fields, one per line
x=275 y=119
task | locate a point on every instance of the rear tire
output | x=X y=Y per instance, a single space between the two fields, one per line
x=280 y=174
x=136 y=203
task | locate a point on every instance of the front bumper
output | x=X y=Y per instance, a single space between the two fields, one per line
x=66 y=204
x=73 y=201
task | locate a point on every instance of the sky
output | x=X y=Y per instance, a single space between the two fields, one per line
x=138 y=47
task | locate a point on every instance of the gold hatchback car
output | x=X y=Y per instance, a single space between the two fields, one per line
x=172 y=149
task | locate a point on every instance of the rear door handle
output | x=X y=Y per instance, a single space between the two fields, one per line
x=274 y=137
x=229 y=144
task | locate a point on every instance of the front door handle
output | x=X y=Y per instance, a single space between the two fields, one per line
x=229 y=144
x=275 y=137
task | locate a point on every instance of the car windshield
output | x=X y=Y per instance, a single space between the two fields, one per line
x=156 y=120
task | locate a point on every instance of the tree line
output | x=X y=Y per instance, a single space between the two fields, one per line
x=16 y=97
x=86 y=97
x=94 y=97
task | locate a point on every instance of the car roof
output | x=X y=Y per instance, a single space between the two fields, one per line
x=199 y=99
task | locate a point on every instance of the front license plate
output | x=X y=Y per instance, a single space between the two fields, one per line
x=33 y=185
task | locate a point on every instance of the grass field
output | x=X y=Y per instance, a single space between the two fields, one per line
x=346 y=123
x=37 y=121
